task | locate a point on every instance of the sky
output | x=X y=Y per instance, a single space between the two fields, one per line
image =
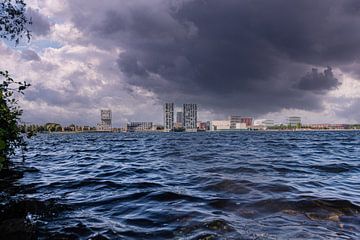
x=265 y=59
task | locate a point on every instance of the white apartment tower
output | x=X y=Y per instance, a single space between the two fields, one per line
x=106 y=117
x=190 y=117
x=168 y=117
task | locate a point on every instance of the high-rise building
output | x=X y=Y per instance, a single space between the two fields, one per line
x=179 y=120
x=168 y=117
x=106 y=119
x=190 y=117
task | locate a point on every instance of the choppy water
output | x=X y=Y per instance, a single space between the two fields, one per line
x=240 y=185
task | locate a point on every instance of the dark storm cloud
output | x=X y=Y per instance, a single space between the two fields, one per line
x=40 y=24
x=315 y=81
x=247 y=56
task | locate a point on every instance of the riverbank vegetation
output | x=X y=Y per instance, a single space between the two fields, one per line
x=10 y=112
x=13 y=27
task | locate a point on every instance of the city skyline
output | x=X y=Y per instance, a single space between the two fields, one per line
x=105 y=120
x=188 y=122
x=176 y=120
x=246 y=66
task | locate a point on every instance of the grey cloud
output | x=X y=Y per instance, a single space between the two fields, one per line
x=44 y=66
x=40 y=24
x=348 y=108
x=315 y=81
x=59 y=97
x=30 y=55
x=231 y=56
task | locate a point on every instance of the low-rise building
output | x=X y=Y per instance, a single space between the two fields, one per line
x=241 y=126
x=294 y=121
x=234 y=120
x=202 y=126
x=247 y=120
x=139 y=126
x=327 y=126
x=219 y=125
x=263 y=123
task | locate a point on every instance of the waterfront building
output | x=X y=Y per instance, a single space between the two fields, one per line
x=324 y=126
x=263 y=123
x=234 y=120
x=157 y=128
x=241 y=126
x=220 y=125
x=106 y=120
x=139 y=126
x=202 y=126
x=294 y=121
x=247 y=120
x=168 y=117
x=190 y=117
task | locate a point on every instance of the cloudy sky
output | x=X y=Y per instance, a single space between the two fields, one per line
x=266 y=59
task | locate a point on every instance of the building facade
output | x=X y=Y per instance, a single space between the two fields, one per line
x=264 y=123
x=241 y=126
x=139 y=126
x=247 y=120
x=203 y=126
x=220 y=125
x=190 y=117
x=168 y=117
x=106 y=120
x=234 y=120
x=294 y=121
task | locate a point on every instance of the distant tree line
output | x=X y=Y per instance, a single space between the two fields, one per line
x=53 y=127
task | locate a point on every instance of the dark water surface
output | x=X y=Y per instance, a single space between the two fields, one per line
x=239 y=185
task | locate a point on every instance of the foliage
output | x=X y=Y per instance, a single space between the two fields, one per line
x=13 y=20
x=13 y=27
x=53 y=127
x=10 y=112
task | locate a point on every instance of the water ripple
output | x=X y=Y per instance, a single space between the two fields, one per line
x=234 y=185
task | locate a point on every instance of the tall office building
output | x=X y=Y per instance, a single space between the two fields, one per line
x=190 y=117
x=168 y=117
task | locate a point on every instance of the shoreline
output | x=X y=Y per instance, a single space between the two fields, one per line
x=217 y=131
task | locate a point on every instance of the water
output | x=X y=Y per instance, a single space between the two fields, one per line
x=239 y=185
